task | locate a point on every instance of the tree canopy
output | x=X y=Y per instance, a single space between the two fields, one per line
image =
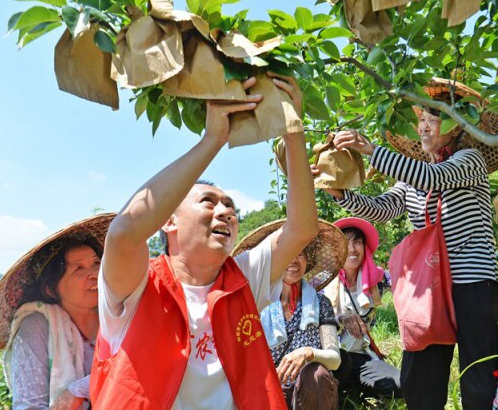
x=371 y=85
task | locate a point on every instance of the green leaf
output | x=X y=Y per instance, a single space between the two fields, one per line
x=260 y=30
x=154 y=95
x=255 y=61
x=12 y=22
x=304 y=18
x=329 y=48
x=316 y=108
x=280 y=68
x=389 y=112
x=34 y=16
x=194 y=6
x=38 y=31
x=299 y=38
x=283 y=19
x=345 y=83
x=71 y=17
x=97 y=4
x=471 y=110
x=193 y=116
x=489 y=91
x=140 y=106
x=235 y=71
x=334 y=32
x=375 y=56
x=56 y=3
x=333 y=97
x=104 y=42
x=447 y=125
x=173 y=114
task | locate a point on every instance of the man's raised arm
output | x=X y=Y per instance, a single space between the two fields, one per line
x=302 y=217
x=126 y=253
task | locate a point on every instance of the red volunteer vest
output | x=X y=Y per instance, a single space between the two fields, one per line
x=148 y=369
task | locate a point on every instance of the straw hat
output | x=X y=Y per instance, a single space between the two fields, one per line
x=328 y=250
x=18 y=276
x=489 y=123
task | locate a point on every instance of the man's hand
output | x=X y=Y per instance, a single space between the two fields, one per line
x=218 y=114
x=291 y=87
x=354 y=140
x=354 y=325
x=292 y=363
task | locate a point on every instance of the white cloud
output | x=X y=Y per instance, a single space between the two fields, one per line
x=245 y=202
x=17 y=236
x=97 y=176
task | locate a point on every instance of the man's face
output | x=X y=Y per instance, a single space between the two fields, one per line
x=205 y=220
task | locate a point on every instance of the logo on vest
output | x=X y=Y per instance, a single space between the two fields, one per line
x=245 y=331
x=432 y=259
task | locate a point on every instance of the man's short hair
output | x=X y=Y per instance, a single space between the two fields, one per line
x=162 y=234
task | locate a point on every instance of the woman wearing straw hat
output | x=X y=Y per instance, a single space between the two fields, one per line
x=455 y=168
x=355 y=293
x=49 y=320
x=300 y=328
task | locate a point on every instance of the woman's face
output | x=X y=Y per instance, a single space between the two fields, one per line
x=78 y=286
x=429 y=127
x=296 y=270
x=356 y=253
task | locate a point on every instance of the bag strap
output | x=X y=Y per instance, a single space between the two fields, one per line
x=373 y=345
x=439 y=209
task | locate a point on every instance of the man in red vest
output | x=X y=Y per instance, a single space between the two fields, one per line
x=183 y=331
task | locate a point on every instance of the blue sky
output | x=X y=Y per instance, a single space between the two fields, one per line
x=61 y=156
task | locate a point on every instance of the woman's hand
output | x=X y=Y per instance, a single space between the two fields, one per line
x=354 y=140
x=354 y=325
x=292 y=363
x=217 y=118
x=290 y=86
x=338 y=193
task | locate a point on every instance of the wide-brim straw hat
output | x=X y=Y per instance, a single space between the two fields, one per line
x=328 y=248
x=488 y=123
x=19 y=275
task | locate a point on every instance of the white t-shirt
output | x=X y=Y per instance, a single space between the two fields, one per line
x=204 y=385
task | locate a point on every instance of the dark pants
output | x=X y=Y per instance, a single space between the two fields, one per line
x=314 y=389
x=374 y=378
x=425 y=374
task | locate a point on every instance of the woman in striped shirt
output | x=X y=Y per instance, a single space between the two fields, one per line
x=460 y=176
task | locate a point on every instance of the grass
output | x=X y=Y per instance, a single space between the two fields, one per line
x=386 y=335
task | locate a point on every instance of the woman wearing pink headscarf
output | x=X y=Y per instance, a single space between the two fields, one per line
x=354 y=295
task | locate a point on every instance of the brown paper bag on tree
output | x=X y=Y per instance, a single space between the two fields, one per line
x=339 y=169
x=280 y=156
x=82 y=69
x=274 y=116
x=387 y=4
x=457 y=11
x=236 y=45
x=370 y=26
x=148 y=52
x=203 y=76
